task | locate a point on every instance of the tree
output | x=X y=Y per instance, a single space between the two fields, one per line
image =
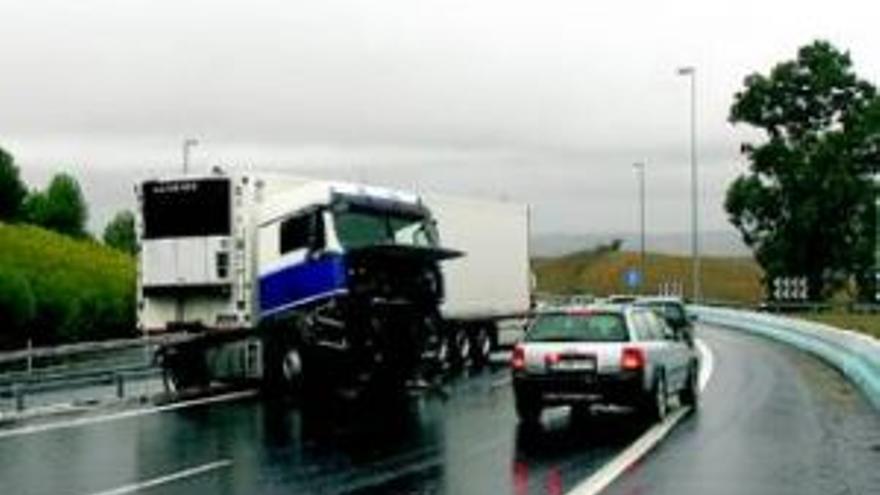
x=12 y=189
x=806 y=205
x=119 y=233
x=61 y=207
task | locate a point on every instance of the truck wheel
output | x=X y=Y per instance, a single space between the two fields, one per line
x=481 y=347
x=292 y=370
x=689 y=395
x=656 y=407
x=461 y=347
x=183 y=369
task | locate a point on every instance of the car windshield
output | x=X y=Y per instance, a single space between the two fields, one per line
x=592 y=327
x=357 y=226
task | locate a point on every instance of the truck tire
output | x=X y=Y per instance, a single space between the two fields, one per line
x=461 y=347
x=481 y=346
x=183 y=368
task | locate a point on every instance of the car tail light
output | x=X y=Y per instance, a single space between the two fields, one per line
x=632 y=359
x=518 y=359
x=551 y=359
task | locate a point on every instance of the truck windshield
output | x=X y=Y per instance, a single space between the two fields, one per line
x=186 y=208
x=591 y=327
x=358 y=226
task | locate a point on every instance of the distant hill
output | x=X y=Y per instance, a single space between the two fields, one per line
x=713 y=243
x=602 y=273
x=80 y=289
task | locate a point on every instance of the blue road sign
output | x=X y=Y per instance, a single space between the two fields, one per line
x=632 y=278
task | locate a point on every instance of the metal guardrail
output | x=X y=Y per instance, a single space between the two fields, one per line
x=89 y=347
x=18 y=391
x=855 y=354
x=78 y=373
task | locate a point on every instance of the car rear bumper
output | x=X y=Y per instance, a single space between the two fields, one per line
x=624 y=389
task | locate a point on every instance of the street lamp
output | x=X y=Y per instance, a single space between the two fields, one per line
x=640 y=170
x=187 y=144
x=691 y=72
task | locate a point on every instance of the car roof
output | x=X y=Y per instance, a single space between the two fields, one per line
x=660 y=299
x=586 y=309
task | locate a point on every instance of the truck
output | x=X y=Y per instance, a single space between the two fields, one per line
x=299 y=283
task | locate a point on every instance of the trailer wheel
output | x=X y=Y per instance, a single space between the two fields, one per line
x=461 y=346
x=481 y=347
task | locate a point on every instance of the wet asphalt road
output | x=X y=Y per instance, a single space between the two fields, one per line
x=773 y=421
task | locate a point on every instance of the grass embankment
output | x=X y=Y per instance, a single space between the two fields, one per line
x=602 y=273
x=73 y=289
x=859 y=322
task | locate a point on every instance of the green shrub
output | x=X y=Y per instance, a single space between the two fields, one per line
x=81 y=290
x=17 y=308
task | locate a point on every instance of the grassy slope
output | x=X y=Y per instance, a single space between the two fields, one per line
x=85 y=282
x=732 y=279
x=864 y=323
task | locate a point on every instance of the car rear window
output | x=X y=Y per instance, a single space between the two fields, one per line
x=593 y=327
x=671 y=312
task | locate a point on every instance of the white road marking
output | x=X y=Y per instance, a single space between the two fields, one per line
x=41 y=428
x=602 y=478
x=168 y=478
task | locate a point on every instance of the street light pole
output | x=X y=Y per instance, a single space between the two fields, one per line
x=187 y=144
x=691 y=72
x=640 y=170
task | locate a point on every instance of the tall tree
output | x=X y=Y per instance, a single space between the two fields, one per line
x=12 y=189
x=61 y=207
x=119 y=232
x=806 y=205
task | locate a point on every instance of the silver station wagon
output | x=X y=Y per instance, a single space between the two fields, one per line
x=610 y=355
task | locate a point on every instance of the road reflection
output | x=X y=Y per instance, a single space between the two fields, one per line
x=553 y=457
x=462 y=441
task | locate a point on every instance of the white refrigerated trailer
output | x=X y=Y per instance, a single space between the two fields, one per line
x=488 y=289
x=292 y=280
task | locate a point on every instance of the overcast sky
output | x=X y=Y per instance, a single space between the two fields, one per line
x=546 y=102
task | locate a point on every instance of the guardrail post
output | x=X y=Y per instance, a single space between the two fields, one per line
x=120 y=385
x=18 y=393
x=30 y=357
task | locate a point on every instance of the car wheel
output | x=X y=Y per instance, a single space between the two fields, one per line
x=689 y=396
x=582 y=413
x=657 y=400
x=528 y=408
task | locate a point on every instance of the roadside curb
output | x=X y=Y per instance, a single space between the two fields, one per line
x=856 y=355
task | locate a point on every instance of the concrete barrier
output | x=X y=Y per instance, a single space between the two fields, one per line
x=856 y=355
